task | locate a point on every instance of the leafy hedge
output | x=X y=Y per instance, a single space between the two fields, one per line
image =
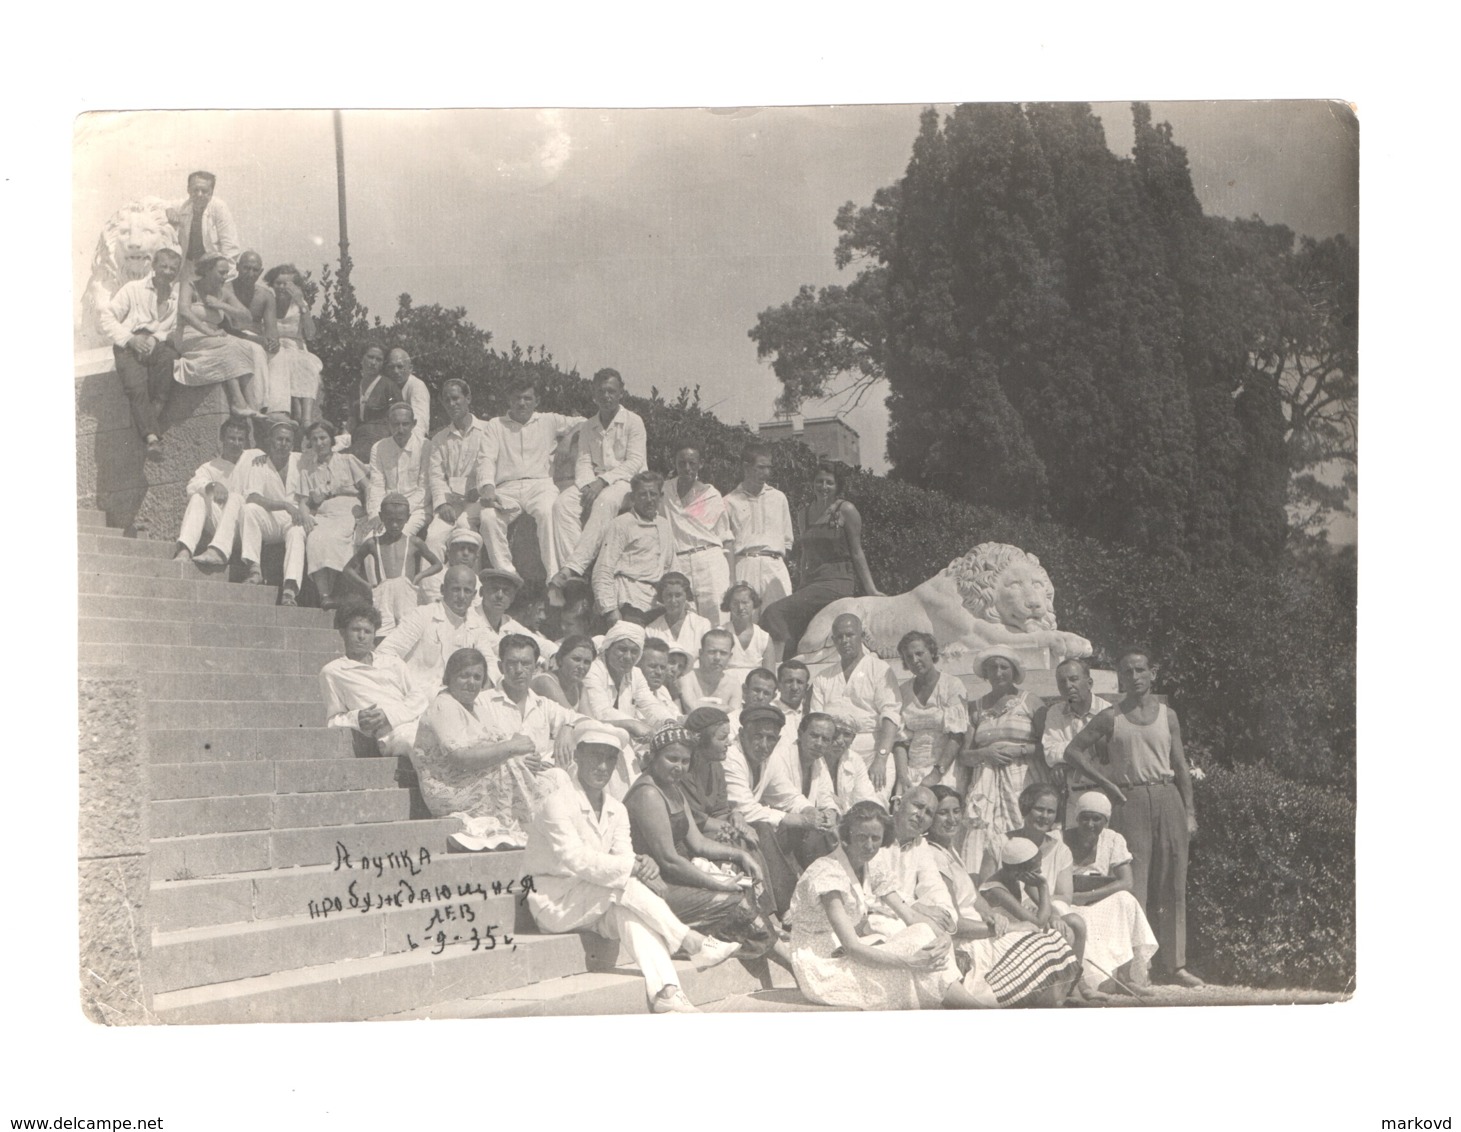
x=1271 y=885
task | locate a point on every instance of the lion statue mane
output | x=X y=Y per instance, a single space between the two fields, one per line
x=997 y=594
x=124 y=252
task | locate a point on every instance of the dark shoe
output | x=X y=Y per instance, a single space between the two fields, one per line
x=154 y=449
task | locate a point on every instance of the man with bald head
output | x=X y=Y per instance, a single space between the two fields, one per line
x=862 y=688
x=920 y=888
x=413 y=389
x=426 y=637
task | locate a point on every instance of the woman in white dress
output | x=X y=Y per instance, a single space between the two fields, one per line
x=469 y=771
x=935 y=715
x=296 y=366
x=1117 y=931
x=679 y=625
x=752 y=643
x=332 y=487
x=836 y=960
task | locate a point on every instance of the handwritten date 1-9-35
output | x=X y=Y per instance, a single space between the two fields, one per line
x=480 y=939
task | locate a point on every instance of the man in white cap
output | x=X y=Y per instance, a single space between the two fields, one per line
x=1061 y=722
x=1152 y=789
x=587 y=877
x=920 y=888
x=862 y=687
x=463 y=548
x=499 y=590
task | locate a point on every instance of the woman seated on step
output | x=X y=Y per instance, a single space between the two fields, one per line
x=708 y=883
x=470 y=771
x=1117 y=931
x=1005 y=962
x=835 y=957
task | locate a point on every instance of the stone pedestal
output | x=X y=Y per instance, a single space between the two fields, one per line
x=112 y=472
x=1039 y=674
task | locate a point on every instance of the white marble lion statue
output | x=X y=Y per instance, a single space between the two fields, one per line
x=124 y=252
x=995 y=594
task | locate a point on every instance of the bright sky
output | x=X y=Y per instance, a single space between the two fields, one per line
x=643 y=239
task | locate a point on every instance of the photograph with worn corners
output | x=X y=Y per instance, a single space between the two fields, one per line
x=548 y=562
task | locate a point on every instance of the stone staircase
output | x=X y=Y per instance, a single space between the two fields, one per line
x=284 y=878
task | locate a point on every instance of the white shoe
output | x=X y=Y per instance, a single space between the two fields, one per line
x=183 y=555
x=713 y=952
x=672 y=1000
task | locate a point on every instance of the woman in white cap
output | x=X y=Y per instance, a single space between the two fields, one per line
x=470 y=771
x=997 y=752
x=836 y=960
x=1117 y=931
x=331 y=487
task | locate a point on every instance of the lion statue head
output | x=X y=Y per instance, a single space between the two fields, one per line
x=124 y=252
x=1002 y=583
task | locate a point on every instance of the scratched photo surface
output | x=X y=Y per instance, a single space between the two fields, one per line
x=1066 y=390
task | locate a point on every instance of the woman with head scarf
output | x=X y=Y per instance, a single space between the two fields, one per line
x=1117 y=931
x=615 y=691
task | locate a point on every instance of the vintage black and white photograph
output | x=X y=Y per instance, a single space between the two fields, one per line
x=720 y=560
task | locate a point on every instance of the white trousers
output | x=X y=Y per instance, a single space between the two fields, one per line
x=226 y=527
x=200 y=520
x=258 y=526
x=767 y=576
x=645 y=925
x=577 y=544
x=535 y=498
x=709 y=575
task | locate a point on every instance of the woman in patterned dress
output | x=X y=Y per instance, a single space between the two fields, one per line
x=836 y=961
x=470 y=772
x=935 y=715
x=332 y=487
x=997 y=752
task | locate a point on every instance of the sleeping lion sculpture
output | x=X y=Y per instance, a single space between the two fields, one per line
x=995 y=594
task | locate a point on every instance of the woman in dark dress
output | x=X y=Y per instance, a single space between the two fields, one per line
x=828 y=562
x=707 y=899
x=370 y=406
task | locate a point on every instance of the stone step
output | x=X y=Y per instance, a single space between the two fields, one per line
x=619 y=991
x=90 y=526
x=249 y=686
x=218 y=854
x=247 y=744
x=275 y=893
x=366 y=988
x=148 y=568
x=205 y=659
x=188 y=817
x=220 y=953
x=205 y=611
x=112 y=630
x=114 y=542
x=227 y=715
x=171 y=781
x=91 y=516
x=172 y=587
